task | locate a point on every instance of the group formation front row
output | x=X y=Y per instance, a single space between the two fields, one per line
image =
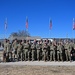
x=46 y=50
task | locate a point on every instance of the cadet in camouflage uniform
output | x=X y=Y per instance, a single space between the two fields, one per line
x=9 y=50
x=51 y=51
x=33 y=48
x=45 y=47
x=19 y=51
x=22 y=42
x=26 y=49
x=38 y=47
x=58 y=52
x=62 y=51
x=54 y=51
x=5 y=50
x=14 y=46
x=66 y=50
x=41 y=53
x=70 y=48
x=48 y=49
x=29 y=50
x=74 y=45
x=73 y=52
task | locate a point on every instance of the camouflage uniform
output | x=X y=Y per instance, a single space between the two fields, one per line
x=61 y=49
x=51 y=51
x=74 y=46
x=19 y=51
x=33 y=48
x=5 y=50
x=29 y=51
x=48 y=50
x=45 y=47
x=26 y=48
x=5 y=46
x=54 y=52
x=41 y=53
x=58 y=52
x=66 y=50
x=38 y=47
x=14 y=46
x=9 y=50
x=69 y=51
x=23 y=55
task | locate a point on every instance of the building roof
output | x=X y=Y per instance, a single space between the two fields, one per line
x=25 y=38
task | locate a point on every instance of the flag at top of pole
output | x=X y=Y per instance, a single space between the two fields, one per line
x=26 y=23
x=6 y=24
x=50 y=24
x=73 y=24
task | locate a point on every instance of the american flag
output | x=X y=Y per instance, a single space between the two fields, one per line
x=6 y=24
x=50 y=24
x=26 y=22
x=73 y=24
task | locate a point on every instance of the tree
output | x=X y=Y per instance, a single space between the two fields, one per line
x=20 y=34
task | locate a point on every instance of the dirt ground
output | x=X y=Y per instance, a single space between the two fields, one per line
x=37 y=70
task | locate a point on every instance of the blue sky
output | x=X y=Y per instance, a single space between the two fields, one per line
x=39 y=12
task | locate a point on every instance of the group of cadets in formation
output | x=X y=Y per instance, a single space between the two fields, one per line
x=45 y=50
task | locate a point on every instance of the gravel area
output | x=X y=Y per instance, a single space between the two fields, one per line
x=36 y=69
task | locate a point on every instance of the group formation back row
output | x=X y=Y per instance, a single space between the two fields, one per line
x=46 y=50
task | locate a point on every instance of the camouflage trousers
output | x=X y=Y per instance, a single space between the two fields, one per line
x=26 y=54
x=14 y=55
x=68 y=55
x=52 y=53
x=20 y=55
x=33 y=54
x=58 y=55
x=29 y=52
x=38 y=54
x=45 y=54
x=7 y=56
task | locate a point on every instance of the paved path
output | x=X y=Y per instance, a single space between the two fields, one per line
x=40 y=63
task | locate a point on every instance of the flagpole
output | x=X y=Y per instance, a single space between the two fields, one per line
x=67 y=36
x=50 y=33
x=73 y=36
x=73 y=28
x=5 y=27
x=5 y=34
x=50 y=26
x=27 y=33
x=27 y=26
x=49 y=30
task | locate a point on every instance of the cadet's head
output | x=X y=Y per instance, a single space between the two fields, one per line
x=38 y=42
x=41 y=40
x=22 y=40
x=71 y=41
x=47 y=40
x=51 y=43
x=8 y=40
x=59 y=43
x=54 y=39
x=34 y=40
x=15 y=40
x=27 y=41
x=5 y=40
x=44 y=41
